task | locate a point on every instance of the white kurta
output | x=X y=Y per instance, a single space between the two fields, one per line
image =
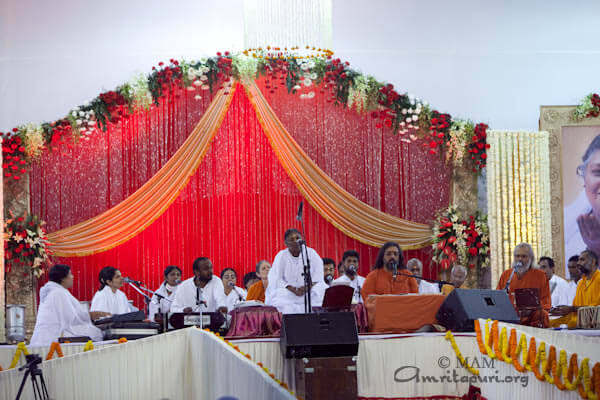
x=559 y=289
x=571 y=291
x=287 y=270
x=161 y=305
x=357 y=283
x=233 y=298
x=61 y=314
x=112 y=302
x=213 y=294
x=428 y=287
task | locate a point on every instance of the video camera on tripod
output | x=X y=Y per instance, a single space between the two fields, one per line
x=40 y=392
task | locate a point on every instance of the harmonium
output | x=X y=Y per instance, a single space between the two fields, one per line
x=215 y=321
x=131 y=326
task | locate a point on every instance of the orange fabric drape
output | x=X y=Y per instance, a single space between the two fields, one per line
x=130 y=217
x=344 y=211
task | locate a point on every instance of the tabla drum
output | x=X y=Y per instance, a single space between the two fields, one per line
x=15 y=322
x=588 y=317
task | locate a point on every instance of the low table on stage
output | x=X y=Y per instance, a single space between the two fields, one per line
x=255 y=322
x=402 y=313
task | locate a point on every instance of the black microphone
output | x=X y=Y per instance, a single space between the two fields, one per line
x=299 y=214
x=351 y=270
x=328 y=279
x=178 y=281
x=394 y=266
x=129 y=280
x=300 y=241
x=232 y=285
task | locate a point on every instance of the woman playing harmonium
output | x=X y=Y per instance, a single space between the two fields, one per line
x=109 y=298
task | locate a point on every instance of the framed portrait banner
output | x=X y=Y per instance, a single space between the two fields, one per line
x=574 y=182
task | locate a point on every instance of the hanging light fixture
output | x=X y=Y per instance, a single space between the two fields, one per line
x=287 y=28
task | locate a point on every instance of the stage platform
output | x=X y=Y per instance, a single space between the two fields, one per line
x=192 y=363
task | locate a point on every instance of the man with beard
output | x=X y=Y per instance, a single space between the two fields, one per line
x=381 y=279
x=350 y=275
x=202 y=290
x=588 y=290
x=522 y=275
x=328 y=270
x=286 y=283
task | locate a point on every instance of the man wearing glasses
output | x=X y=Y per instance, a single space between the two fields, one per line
x=389 y=275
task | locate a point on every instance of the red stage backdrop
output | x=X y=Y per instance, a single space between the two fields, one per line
x=240 y=201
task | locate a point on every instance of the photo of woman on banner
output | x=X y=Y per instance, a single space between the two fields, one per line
x=582 y=217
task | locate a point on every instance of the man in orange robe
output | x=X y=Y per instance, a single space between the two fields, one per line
x=522 y=275
x=381 y=280
x=588 y=291
x=257 y=291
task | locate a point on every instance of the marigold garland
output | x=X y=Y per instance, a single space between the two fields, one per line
x=564 y=375
x=54 y=348
x=21 y=349
x=88 y=346
x=449 y=336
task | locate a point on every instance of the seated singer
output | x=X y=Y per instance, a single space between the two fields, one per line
x=61 y=314
x=202 y=290
x=286 y=283
x=381 y=279
x=257 y=290
x=109 y=298
x=523 y=275
x=167 y=290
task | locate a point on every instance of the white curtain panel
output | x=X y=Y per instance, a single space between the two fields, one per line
x=184 y=364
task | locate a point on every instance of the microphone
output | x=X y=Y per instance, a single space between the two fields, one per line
x=178 y=281
x=351 y=270
x=299 y=214
x=129 y=280
x=300 y=242
x=328 y=279
x=394 y=266
x=232 y=285
x=517 y=265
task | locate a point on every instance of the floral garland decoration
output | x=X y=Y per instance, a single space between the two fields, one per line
x=460 y=240
x=589 y=108
x=26 y=244
x=401 y=112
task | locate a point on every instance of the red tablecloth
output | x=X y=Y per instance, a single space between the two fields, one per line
x=255 y=321
x=266 y=321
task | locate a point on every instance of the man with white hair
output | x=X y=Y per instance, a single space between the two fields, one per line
x=458 y=276
x=522 y=275
x=415 y=266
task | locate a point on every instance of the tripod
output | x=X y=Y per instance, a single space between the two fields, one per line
x=40 y=391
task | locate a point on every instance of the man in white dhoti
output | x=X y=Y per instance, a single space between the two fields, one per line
x=202 y=290
x=286 y=283
x=559 y=288
x=60 y=314
x=109 y=298
x=349 y=274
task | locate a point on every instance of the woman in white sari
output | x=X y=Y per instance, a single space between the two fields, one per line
x=60 y=314
x=167 y=290
x=109 y=298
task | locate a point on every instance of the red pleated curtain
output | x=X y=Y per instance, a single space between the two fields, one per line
x=240 y=200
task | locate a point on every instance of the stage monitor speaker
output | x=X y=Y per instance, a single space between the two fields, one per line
x=463 y=306
x=329 y=334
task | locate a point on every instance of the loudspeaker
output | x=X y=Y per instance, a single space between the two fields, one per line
x=463 y=306
x=331 y=334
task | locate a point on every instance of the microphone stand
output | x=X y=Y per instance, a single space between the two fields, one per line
x=147 y=299
x=439 y=282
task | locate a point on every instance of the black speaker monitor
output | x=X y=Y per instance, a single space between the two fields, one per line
x=330 y=334
x=463 y=306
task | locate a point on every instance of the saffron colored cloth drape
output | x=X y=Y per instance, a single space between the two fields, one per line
x=234 y=209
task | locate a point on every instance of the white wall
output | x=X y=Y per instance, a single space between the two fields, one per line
x=495 y=62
